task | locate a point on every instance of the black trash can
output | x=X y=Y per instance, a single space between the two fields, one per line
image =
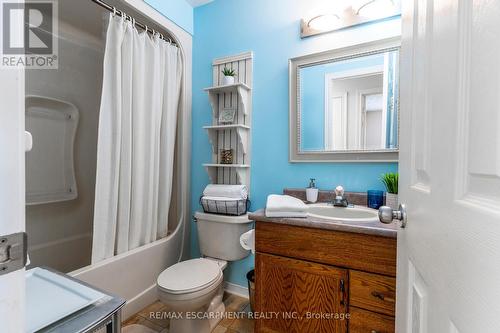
x=251 y=288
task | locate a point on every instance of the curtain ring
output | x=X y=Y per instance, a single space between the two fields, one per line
x=114 y=11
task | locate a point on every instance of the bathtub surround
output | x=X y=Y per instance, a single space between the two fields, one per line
x=136 y=142
x=68 y=244
x=271 y=30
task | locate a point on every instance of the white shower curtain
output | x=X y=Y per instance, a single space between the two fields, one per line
x=137 y=130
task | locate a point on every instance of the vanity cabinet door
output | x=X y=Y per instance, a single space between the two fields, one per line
x=299 y=296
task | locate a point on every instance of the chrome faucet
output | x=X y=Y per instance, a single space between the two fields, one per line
x=339 y=200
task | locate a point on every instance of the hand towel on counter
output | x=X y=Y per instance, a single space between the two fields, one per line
x=227 y=191
x=285 y=206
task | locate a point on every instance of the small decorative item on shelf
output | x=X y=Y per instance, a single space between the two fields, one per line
x=226 y=156
x=226 y=116
x=390 y=181
x=229 y=75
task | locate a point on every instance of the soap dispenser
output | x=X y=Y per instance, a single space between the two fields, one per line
x=312 y=192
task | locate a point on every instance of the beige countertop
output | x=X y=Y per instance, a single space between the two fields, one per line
x=369 y=228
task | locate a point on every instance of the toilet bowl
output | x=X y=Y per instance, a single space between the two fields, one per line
x=193 y=289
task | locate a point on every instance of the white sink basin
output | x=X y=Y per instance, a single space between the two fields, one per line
x=344 y=214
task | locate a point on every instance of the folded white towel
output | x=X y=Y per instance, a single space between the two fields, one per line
x=228 y=191
x=220 y=198
x=285 y=206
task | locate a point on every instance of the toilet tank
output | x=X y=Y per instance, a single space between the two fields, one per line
x=219 y=235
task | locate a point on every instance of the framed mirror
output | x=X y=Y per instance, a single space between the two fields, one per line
x=344 y=104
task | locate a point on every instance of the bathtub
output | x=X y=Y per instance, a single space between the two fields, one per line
x=132 y=275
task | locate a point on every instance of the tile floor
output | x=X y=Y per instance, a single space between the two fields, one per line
x=228 y=325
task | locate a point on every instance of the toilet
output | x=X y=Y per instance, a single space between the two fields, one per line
x=193 y=289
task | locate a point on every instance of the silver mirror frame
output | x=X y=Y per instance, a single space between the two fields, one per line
x=294 y=64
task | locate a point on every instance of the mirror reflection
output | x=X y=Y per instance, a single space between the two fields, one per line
x=350 y=104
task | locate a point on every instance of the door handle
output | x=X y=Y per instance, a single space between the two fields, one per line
x=387 y=215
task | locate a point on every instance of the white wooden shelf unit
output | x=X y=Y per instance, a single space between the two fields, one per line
x=242 y=90
x=237 y=135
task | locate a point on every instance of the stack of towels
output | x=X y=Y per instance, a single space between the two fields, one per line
x=229 y=199
x=285 y=206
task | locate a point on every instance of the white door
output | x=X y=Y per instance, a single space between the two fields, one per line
x=12 y=150
x=449 y=254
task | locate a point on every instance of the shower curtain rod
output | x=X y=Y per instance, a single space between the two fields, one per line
x=113 y=9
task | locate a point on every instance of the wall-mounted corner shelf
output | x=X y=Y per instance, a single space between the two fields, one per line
x=242 y=171
x=240 y=88
x=237 y=135
x=242 y=131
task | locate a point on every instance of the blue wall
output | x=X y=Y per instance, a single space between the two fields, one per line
x=271 y=30
x=178 y=11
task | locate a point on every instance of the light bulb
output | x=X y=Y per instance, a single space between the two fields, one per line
x=324 y=22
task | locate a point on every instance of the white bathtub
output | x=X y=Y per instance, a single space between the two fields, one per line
x=133 y=275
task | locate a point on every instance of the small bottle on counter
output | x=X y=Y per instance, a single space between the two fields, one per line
x=312 y=192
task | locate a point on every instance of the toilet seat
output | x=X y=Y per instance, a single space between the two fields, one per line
x=190 y=276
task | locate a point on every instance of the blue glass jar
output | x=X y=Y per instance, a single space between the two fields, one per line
x=375 y=198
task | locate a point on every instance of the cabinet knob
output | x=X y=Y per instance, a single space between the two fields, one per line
x=378 y=295
x=373 y=331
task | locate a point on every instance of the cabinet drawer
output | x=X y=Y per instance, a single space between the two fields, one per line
x=372 y=292
x=362 y=321
x=342 y=249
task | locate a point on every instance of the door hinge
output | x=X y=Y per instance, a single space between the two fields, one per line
x=13 y=252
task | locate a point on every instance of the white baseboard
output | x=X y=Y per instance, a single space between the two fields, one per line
x=236 y=289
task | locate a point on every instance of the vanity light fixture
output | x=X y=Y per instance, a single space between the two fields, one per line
x=359 y=12
x=324 y=22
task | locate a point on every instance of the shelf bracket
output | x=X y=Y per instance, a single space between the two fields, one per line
x=244 y=98
x=214 y=102
x=243 y=138
x=212 y=137
x=212 y=174
x=242 y=174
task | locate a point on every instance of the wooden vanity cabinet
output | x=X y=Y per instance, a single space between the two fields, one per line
x=293 y=288
x=308 y=279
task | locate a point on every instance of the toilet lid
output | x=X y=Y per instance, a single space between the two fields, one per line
x=189 y=276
